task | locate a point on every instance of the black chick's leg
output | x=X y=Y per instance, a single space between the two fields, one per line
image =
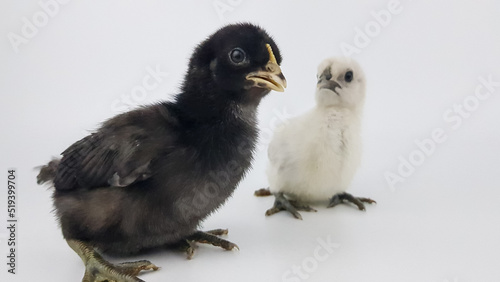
x=186 y=246
x=208 y=237
x=98 y=269
x=211 y=237
x=339 y=198
x=281 y=203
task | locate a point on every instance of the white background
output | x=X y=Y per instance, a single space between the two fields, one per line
x=440 y=224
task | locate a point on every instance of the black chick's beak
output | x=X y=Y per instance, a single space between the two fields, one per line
x=271 y=77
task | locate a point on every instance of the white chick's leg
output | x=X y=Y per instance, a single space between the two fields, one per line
x=339 y=198
x=281 y=203
x=262 y=192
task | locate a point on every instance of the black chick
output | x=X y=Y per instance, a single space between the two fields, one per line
x=147 y=177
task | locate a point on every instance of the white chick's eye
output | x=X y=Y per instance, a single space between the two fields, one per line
x=348 y=76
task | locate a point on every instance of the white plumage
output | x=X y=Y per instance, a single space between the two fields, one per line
x=314 y=156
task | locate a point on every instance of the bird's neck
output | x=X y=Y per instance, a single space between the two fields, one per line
x=217 y=106
x=343 y=116
x=352 y=110
x=217 y=122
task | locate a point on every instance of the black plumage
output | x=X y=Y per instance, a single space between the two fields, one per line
x=146 y=178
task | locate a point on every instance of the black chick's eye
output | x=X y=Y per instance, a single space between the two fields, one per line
x=237 y=56
x=348 y=76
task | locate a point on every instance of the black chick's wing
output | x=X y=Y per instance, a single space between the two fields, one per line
x=118 y=154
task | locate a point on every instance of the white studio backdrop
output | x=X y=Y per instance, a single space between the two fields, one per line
x=431 y=132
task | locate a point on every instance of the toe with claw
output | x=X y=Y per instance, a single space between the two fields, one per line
x=208 y=237
x=281 y=203
x=358 y=201
x=263 y=192
x=97 y=269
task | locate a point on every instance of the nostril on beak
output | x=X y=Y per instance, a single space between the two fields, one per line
x=271 y=68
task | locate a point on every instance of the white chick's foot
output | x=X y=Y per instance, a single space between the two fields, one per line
x=263 y=192
x=339 y=199
x=281 y=203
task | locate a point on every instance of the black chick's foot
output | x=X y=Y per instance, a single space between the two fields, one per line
x=358 y=201
x=207 y=237
x=185 y=246
x=281 y=203
x=98 y=269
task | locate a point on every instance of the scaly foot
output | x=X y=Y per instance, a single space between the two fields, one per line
x=339 y=198
x=98 y=269
x=208 y=237
x=281 y=203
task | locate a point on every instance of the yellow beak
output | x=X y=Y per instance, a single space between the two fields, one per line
x=271 y=77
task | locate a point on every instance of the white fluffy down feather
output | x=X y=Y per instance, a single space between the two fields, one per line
x=315 y=156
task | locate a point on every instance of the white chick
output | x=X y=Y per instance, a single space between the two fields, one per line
x=313 y=157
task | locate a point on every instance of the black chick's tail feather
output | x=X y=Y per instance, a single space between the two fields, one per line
x=47 y=172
